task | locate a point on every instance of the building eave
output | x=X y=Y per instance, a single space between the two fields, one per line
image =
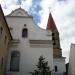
x=5 y=22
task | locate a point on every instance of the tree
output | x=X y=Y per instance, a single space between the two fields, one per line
x=42 y=67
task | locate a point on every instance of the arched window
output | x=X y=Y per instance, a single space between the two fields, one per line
x=24 y=32
x=14 y=63
x=56 y=69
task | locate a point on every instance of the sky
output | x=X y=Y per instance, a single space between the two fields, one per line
x=63 y=12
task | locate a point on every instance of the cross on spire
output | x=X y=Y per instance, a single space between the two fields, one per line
x=49 y=9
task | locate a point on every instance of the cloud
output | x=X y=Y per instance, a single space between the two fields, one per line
x=26 y=4
x=0 y=1
x=62 y=11
x=45 y=4
x=64 y=16
x=61 y=0
x=66 y=26
x=9 y=5
x=34 y=10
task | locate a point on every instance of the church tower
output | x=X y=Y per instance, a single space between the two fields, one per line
x=55 y=37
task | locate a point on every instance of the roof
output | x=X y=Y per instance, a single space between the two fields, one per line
x=19 y=12
x=5 y=21
x=51 y=24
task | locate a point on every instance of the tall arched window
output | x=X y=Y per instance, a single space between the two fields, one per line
x=14 y=63
x=24 y=32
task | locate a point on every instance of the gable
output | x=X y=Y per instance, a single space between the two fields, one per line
x=18 y=12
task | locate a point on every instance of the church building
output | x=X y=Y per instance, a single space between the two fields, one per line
x=30 y=42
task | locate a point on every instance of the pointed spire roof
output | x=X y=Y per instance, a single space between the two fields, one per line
x=51 y=24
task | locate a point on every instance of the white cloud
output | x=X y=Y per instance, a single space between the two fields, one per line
x=0 y=1
x=61 y=12
x=44 y=13
x=12 y=5
x=27 y=4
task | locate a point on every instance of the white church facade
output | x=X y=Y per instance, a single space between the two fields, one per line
x=29 y=43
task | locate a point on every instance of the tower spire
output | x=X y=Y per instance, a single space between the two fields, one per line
x=55 y=37
x=51 y=24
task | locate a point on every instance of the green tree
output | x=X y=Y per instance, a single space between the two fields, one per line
x=42 y=67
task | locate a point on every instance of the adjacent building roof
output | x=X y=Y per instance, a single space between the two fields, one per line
x=5 y=21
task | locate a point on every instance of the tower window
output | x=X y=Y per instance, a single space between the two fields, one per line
x=54 y=43
x=14 y=63
x=25 y=25
x=24 y=32
x=56 y=69
x=53 y=34
x=53 y=38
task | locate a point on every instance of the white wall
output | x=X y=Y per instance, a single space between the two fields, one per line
x=60 y=63
x=72 y=60
x=29 y=54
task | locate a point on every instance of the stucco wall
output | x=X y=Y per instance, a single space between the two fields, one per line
x=60 y=63
x=29 y=54
x=72 y=60
x=4 y=42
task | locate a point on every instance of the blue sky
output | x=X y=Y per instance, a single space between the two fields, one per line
x=63 y=12
x=34 y=10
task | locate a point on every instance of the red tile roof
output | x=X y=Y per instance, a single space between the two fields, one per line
x=51 y=24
